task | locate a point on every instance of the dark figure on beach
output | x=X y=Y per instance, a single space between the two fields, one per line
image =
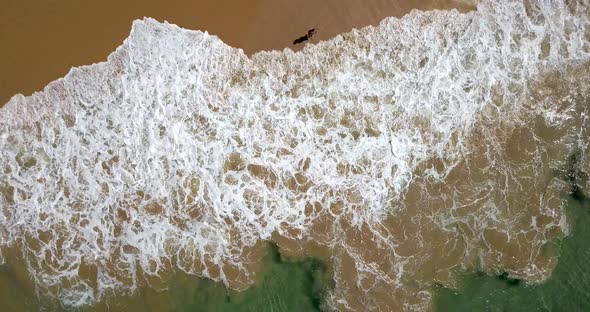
x=310 y=34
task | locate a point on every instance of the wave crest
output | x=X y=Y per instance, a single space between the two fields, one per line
x=182 y=153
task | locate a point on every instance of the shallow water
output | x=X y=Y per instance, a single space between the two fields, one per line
x=396 y=157
x=284 y=285
x=566 y=290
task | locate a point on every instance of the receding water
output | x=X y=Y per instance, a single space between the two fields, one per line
x=284 y=285
x=398 y=155
x=568 y=288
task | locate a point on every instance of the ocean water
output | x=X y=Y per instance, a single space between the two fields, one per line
x=397 y=156
x=566 y=289
x=284 y=285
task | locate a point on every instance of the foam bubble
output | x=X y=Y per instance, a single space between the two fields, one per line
x=182 y=152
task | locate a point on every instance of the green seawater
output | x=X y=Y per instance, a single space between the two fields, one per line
x=568 y=288
x=284 y=286
x=299 y=286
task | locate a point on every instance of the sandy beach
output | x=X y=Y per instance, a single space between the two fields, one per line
x=371 y=172
x=42 y=40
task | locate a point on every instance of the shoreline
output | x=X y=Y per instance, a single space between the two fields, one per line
x=185 y=153
x=45 y=40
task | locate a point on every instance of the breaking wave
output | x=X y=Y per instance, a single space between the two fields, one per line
x=408 y=151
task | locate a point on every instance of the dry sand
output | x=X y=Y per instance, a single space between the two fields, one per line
x=267 y=25
x=42 y=39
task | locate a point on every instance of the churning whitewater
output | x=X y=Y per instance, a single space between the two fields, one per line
x=392 y=147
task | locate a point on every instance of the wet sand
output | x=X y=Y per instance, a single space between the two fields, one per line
x=42 y=40
x=485 y=224
x=271 y=25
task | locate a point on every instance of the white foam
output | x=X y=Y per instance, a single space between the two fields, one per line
x=171 y=105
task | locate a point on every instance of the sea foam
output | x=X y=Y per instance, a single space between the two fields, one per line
x=181 y=150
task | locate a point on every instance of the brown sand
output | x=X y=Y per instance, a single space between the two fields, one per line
x=464 y=243
x=42 y=39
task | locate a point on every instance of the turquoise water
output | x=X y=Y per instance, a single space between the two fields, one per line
x=568 y=289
